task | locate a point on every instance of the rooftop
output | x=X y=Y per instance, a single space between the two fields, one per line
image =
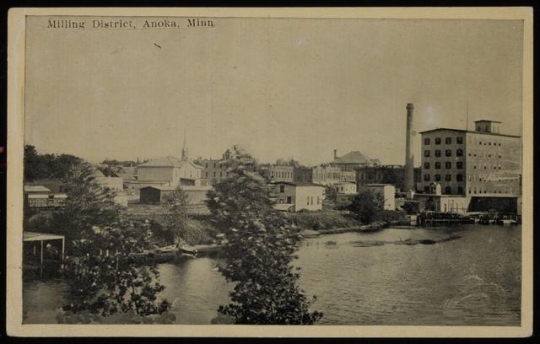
x=354 y=157
x=298 y=183
x=161 y=187
x=467 y=131
x=36 y=188
x=168 y=161
x=487 y=120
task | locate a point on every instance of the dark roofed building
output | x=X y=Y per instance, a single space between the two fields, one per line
x=155 y=194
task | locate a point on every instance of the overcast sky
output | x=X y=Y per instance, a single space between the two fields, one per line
x=281 y=87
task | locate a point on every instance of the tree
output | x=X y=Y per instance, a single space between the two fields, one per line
x=258 y=254
x=41 y=166
x=102 y=275
x=34 y=166
x=105 y=280
x=330 y=193
x=366 y=205
x=176 y=221
x=87 y=205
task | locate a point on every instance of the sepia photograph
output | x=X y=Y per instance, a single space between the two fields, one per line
x=331 y=172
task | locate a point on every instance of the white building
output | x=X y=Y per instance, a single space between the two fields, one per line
x=298 y=196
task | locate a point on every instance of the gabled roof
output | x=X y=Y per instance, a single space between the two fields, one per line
x=354 y=157
x=168 y=161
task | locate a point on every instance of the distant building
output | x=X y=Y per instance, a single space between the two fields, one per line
x=216 y=170
x=388 y=193
x=288 y=173
x=155 y=194
x=302 y=174
x=326 y=175
x=346 y=188
x=352 y=160
x=168 y=171
x=298 y=196
x=127 y=173
x=197 y=195
x=476 y=165
x=281 y=173
x=40 y=197
x=112 y=183
x=385 y=174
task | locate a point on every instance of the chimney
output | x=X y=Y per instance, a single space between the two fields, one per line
x=335 y=154
x=409 y=155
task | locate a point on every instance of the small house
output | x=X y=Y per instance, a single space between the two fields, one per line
x=296 y=196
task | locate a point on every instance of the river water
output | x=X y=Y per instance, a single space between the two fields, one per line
x=475 y=280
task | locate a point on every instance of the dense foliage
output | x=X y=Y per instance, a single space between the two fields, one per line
x=176 y=221
x=366 y=205
x=87 y=205
x=102 y=275
x=104 y=279
x=41 y=166
x=258 y=253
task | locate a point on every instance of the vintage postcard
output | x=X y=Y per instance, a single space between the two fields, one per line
x=308 y=172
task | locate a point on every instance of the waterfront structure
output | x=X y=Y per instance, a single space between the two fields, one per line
x=296 y=196
x=387 y=193
x=475 y=165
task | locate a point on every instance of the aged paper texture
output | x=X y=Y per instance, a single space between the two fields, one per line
x=168 y=164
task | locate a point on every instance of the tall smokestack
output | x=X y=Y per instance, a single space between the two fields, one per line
x=409 y=155
x=335 y=154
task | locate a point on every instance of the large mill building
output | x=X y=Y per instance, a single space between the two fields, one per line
x=481 y=166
